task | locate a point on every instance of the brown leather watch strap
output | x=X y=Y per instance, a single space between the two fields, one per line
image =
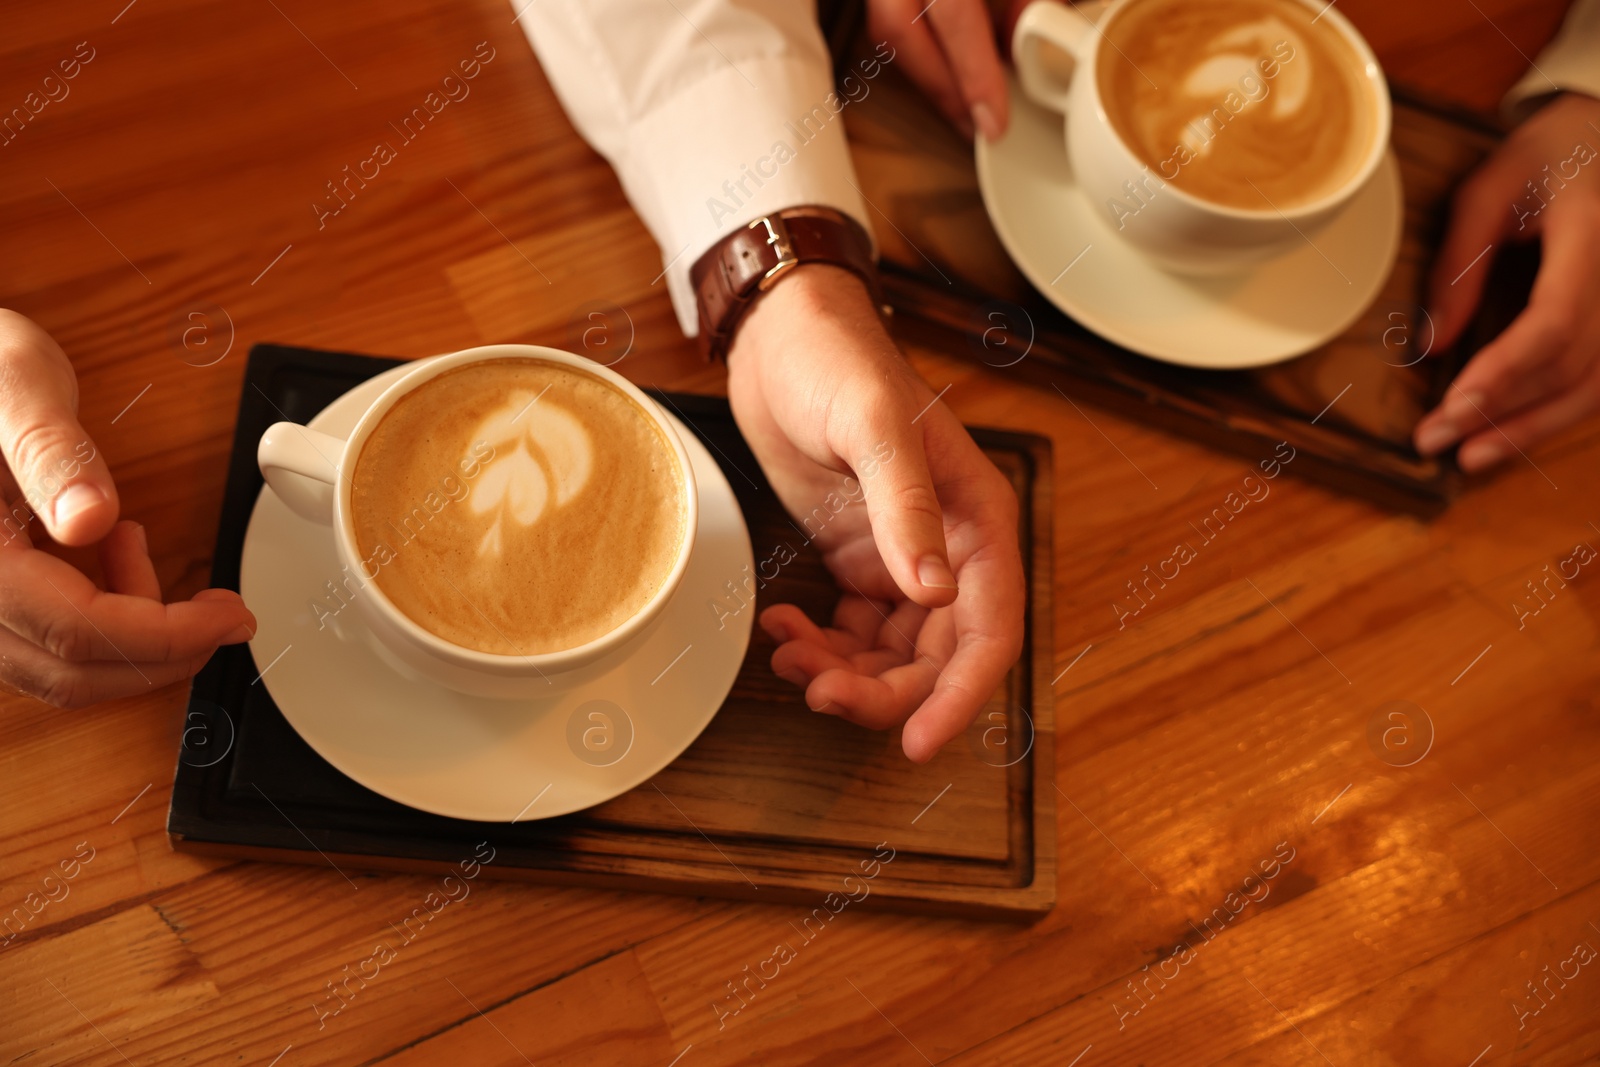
x=733 y=273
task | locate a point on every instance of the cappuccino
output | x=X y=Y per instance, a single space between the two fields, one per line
x=518 y=507
x=1251 y=104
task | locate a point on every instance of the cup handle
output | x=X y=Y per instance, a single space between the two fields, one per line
x=1068 y=29
x=302 y=467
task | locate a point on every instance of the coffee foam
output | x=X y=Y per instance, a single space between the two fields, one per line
x=1245 y=103
x=518 y=507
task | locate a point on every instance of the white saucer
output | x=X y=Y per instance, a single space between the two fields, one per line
x=1281 y=309
x=496 y=761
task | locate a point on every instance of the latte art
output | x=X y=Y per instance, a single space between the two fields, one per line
x=1246 y=103
x=564 y=515
x=542 y=464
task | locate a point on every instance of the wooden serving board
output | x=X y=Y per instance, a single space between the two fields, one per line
x=952 y=285
x=771 y=803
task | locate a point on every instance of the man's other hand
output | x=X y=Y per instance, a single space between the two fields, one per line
x=62 y=639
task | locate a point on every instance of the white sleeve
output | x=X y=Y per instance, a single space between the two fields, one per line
x=1570 y=62
x=713 y=113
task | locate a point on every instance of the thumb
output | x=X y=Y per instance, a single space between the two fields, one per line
x=903 y=508
x=1483 y=213
x=55 y=463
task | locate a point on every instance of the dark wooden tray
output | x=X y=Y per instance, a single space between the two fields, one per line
x=772 y=803
x=951 y=283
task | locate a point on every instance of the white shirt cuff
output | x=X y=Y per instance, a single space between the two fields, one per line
x=1569 y=63
x=722 y=152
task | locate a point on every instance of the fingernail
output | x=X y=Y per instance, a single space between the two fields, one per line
x=983 y=118
x=74 y=500
x=1435 y=437
x=794 y=676
x=144 y=539
x=239 y=635
x=1481 y=454
x=1459 y=406
x=934 y=573
x=822 y=710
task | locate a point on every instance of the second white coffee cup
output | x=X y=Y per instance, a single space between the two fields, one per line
x=1057 y=48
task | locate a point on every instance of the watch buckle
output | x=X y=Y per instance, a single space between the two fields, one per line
x=778 y=238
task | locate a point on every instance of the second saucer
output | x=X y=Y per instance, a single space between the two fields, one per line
x=1279 y=310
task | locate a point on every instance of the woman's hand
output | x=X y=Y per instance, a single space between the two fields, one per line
x=947 y=48
x=63 y=640
x=1543 y=373
x=928 y=564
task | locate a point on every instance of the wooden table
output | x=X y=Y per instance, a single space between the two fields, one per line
x=1237 y=724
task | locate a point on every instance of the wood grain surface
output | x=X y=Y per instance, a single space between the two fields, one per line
x=1239 y=725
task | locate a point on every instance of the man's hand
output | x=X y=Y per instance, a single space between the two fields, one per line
x=62 y=639
x=1543 y=373
x=930 y=618
x=948 y=48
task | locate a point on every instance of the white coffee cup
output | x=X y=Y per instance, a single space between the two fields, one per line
x=1176 y=229
x=310 y=471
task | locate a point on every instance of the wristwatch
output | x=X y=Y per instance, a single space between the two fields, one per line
x=733 y=273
